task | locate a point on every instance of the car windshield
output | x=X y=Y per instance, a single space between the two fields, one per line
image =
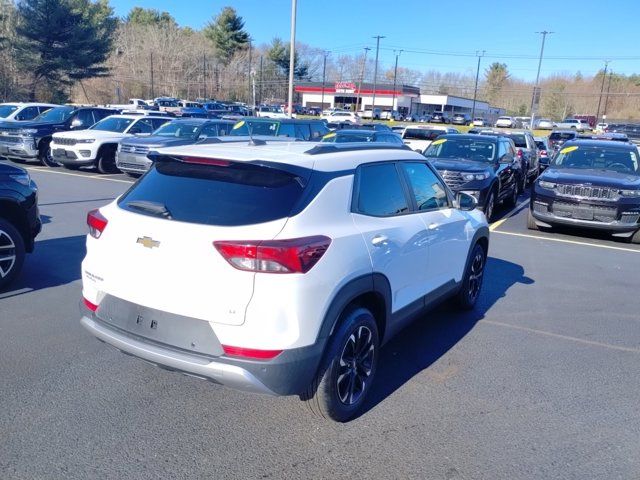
x=269 y=128
x=113 y=124
x=562 y=136
x=620 y=160
x=421 y=134
x=518 y=140
x=348 y=137
x=178 y=130
x=6 y=110
x=57 y=115
x=467 y=148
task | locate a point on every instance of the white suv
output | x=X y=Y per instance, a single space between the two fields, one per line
x=279 y=268
x=97 y=145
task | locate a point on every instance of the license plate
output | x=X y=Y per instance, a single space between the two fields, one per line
x=583 y=213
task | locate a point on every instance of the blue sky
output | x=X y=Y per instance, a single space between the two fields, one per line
x=443 y=35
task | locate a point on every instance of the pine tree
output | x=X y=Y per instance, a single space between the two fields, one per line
x=496 y=77
x=63 y=41
x=227 y=34
x=278 y=53
x=150 y=16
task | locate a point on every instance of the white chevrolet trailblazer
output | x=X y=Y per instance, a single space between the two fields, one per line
x=279 y=268
x=96 y=146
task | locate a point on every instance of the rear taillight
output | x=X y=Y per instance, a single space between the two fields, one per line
x=250 y=352
x=91 y=306
x=297 y=255
x=543 y=152
x=97 y=223
x=519 y=152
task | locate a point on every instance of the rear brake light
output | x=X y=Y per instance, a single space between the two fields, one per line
x=91 y=306
x=250 y=352
x=543 y=152
x=97 y=223
x=206 y=161
x=297 y=255
x=519 y=153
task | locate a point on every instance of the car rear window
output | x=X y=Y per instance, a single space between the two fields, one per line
x=562 y=136
x=231 y=195
x=421 y=134
x=519 y=140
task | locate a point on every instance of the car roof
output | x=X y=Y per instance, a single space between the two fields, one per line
x=600 y=143
x=469 y=136
x=31 y=104
x=318 y=156
x=280 y=120
x=356 y=131
x=137 y=117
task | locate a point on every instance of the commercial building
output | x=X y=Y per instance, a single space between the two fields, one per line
x=404 y=98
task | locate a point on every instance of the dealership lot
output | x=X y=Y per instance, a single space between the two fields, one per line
x=540 y=380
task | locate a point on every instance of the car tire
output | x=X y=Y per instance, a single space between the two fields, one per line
x=348 y=369
x=106 y=162
x=513 y=198
x=469 y=292
x=531 y=221
x=45 y=157
x=636 y=237
x=490 y=206
x=522 y=183
x=12 y=252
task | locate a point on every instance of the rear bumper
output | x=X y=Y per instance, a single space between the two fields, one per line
x=290 y=373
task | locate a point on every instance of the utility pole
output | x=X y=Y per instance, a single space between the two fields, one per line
x=153 y=94
x=324 y=72
x=606 y=65
x=260 y=90
x=475 y=89
x=364 y=62
x=375 y=76
x=249 y=76
x=606 y=100
x=536 y=94
x=292 y=55
x=395 y=75
x=204 y=75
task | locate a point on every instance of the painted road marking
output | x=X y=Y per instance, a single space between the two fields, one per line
x=563 y=337
x=518 y=207
x=94 y=177
x=562 y=240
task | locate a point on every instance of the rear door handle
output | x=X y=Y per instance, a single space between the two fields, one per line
x=379 y=240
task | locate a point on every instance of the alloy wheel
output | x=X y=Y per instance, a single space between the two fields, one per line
x=356 y=365
x=7 y=254
x=475 y=275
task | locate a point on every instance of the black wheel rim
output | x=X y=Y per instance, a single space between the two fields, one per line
x=475 y=276
x=488 y=210
x=7 y=254
x=48 y=158
x=356 y=365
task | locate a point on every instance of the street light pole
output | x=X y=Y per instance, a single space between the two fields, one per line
x=534 y=105
x=606 y=99
x=475 y=90
x=324 y=71
x=292 y=55
x=395 y=75
x=375 y=76
x=604 y=75
x=364 y=62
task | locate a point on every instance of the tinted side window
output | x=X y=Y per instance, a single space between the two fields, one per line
x=86 y=117
x=502 y=149
x=380 y=193
x=303 y=132
x=156 y=123
x=28 y=113
x=429 y=192
x=287 y=130
x=318 y=131
x=100 y=114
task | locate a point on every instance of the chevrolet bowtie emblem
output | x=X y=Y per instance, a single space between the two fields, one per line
x=148 y=242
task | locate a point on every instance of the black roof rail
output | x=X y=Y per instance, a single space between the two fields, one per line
x=353 y=146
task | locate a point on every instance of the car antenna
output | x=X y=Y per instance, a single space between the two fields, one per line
x=252 y=142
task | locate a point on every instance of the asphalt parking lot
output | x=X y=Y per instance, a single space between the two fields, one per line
x=540 y=381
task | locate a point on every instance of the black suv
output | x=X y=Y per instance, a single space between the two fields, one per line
x=307 y=130
x=485 y=167
x=23 y=141
x=527 y=150
x=590 y=184
x=19 y=219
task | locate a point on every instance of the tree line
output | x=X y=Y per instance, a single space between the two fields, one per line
x=79 y=51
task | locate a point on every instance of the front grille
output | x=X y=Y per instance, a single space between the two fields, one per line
x=124 y=148
x=64 y=141
x=452 y=179
x=132 y=166
x=10 y=139
x=582 y=191
x=576 y=211
x=630 y=217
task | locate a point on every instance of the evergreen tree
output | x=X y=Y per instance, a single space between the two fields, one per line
x=227 y=34
x=150 y=16
x=278 y=53
x=63 y=41
x=496 y=77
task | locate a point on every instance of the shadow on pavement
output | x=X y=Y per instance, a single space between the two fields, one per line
x=431 y=335
x=54 y=262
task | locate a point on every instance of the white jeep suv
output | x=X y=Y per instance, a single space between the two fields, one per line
x=97 y=145
x=279 y=268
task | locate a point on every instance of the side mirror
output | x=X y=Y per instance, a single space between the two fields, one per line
x=76 y=123
x=466 y=202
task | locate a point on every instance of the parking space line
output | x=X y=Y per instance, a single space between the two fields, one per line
x=94 y=177
x=562 y=240
x=517 y=208
x=563 y=337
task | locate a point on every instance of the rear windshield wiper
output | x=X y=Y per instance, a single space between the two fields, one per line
x=153 y=208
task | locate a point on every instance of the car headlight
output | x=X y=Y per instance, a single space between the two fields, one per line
x=630 y=193
x=22 y=178
x=86 y=140
x=475 y=176
x=547 y=185
x=27 y=131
